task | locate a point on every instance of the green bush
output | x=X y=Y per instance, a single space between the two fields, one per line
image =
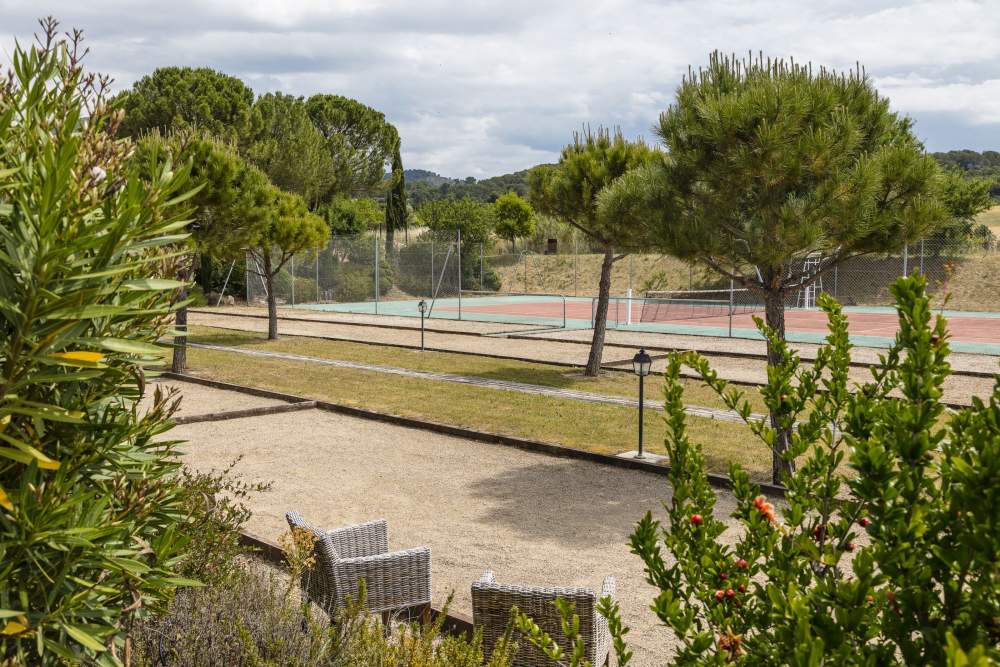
x=256 y=617
x=884 y=550
x=89 y=505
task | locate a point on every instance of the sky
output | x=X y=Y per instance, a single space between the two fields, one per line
x=484 y=88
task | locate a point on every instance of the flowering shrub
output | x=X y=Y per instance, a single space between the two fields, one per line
x=885 y=548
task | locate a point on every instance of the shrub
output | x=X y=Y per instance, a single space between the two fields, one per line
x=256 y=616
x=885 y=548
x=88 y=504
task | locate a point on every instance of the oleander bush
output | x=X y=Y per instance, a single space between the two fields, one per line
x=89 y=501
x=885 y=547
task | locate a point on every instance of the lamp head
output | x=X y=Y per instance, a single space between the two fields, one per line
x=642 y=363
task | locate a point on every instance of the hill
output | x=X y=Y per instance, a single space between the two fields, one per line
x=424 y=186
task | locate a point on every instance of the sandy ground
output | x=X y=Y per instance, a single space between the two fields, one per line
x=201 y=400
x=958 y=389
x=532 y=518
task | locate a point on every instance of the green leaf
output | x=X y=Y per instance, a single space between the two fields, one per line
x=83 y=637
x=153 y=284
x=127 y=346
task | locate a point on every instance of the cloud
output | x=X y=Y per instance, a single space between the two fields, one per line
x=479 y=87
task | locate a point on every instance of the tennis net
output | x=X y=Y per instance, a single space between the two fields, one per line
x=667 y=306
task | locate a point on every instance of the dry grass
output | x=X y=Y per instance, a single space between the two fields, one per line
x=605 y=429
x=991 y=219
x=578 y=275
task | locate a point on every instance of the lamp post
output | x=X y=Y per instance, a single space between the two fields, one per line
x=641 y=364
x=422 y=307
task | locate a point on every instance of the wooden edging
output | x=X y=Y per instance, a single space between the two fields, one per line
x=454 y=623
x=250 y=412
x=552 y=449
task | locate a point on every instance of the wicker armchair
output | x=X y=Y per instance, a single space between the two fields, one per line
x=492 y=602
x=397 y=580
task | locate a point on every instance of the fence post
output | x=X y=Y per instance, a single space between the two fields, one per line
x=432 y=267
x=291 y=261
x=317 y=275
x=906 y=258
x=524 y=259
x=576 y=267
x=246 y=273
x=921 y=257
x=481 y=274
x=376 y=273
x=836 y=275
x=731 y=284
x=459 y=273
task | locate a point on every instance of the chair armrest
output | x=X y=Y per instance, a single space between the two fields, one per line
x=608 y=587
x=393 y=580
x=487 y=578
x=364 y=539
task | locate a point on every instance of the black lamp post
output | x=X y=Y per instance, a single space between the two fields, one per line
x=641 y=364
x=422 y=307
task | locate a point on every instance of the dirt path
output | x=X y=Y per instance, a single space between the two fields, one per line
x=958 y=389
x=531 y=518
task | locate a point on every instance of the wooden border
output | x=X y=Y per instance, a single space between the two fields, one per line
x=250 y=412
x=552 y=449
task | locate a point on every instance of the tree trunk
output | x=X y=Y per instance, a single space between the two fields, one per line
x=272 y=301
x=774 y=312
x=601 y=316
x=390 y=240
x=179 y=361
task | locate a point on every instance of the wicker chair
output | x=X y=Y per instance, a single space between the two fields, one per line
x=492 y=602
x=394 y=581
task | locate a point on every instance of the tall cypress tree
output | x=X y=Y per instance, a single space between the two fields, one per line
x=395 y=201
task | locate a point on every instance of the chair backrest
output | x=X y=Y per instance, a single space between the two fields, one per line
x=319 y=581
x=492 y=602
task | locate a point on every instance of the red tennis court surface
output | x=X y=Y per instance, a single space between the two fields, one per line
x=577 y=313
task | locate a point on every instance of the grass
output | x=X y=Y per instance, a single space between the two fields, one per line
x=991 y=218
x=546 y=375
x=605 y=429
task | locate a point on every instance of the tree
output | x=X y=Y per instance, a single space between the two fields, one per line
x=965 y=197
x=287 y=227
x=768 y=162
x=90 y=509
x=446 y=216
x=569 y=190
x=884 y=549
x=397 y=214
x=359 y=139
x=290 y=150
x=514 y=217
x=184 y=97
x=351 y=217
x=227 y=205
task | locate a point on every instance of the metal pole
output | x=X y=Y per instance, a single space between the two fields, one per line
x=292 y=262
x=730 y=307
x=921 y=257
x=481 y=274
x=432 y=266
x=459 y=274
x=422 y=314
x=576 y=267
x=376 y=273
x=318 y=252
x=906 y=258
x=642 y=403
x=225 y=284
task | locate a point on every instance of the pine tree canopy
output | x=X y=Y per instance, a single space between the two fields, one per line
x=769 y=160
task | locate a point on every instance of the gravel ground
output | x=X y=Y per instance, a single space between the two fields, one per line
x=532 y=518
x=958 y=389
x=200 y=400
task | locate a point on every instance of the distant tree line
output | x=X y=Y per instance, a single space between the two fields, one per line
x=424 y=186
x=973 y=163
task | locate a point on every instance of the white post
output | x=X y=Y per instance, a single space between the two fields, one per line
x=628 y=301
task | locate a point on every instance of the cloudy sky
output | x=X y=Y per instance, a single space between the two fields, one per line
x=482 y=88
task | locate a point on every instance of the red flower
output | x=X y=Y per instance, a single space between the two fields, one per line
x=723 y=575
x=742 y=588
x=719 y=595
x=730 y=592
x=864 y=521
x=696 y=519
x=742 y=564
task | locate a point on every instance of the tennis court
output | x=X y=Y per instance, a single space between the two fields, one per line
x=874 y=326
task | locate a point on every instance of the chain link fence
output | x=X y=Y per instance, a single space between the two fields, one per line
x=358 y=274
